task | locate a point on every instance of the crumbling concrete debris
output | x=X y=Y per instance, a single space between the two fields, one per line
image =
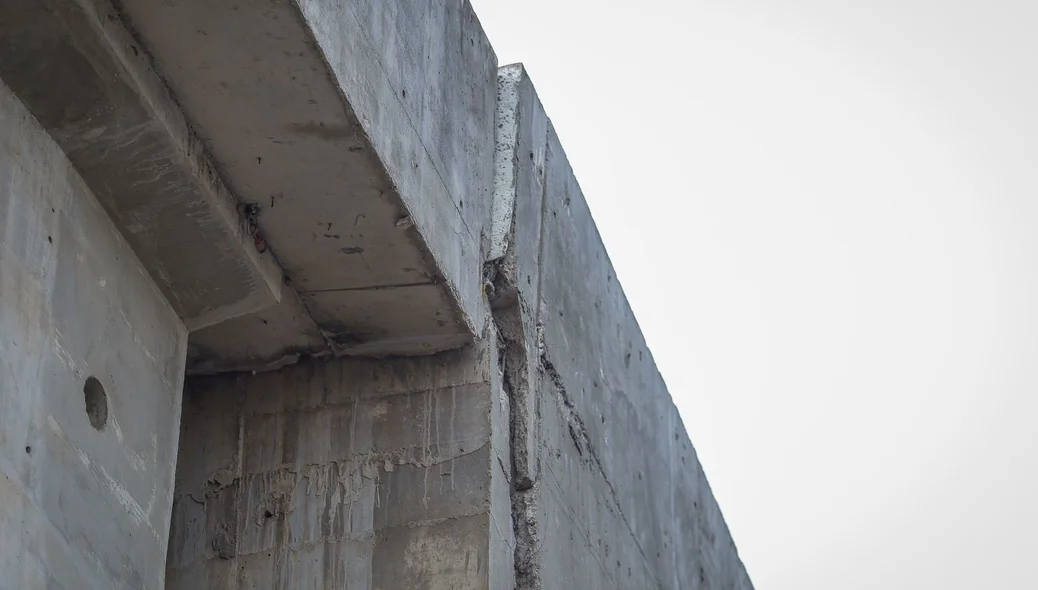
x=513 y=360
x=527 y=541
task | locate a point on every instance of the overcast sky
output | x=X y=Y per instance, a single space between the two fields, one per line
x=825 y=215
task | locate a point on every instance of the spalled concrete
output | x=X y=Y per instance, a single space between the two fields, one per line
x=87 y=340
x=614 y=496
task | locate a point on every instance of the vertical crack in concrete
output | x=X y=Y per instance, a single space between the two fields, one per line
x=517 y=324
x=513 y=360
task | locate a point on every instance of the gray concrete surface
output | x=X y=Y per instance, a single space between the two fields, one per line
x=364 y=132
x=507 y=427
x=616 y=497
x=347 y=473
x=79 y=507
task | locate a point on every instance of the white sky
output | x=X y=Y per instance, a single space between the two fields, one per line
x=825 y=215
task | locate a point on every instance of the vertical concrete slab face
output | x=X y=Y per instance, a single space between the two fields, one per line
x=91 y=366
x=347 y=473
x=614 y=496
x=420 y=78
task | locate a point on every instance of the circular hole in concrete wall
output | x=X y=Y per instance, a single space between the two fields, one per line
x=96 y=403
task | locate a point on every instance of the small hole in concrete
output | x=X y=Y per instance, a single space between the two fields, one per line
x=96 y=403
x=50 y=240
x=268 y=514
x=28 y=449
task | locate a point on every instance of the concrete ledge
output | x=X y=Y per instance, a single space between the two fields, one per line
x=89 y=84
x=364 y=132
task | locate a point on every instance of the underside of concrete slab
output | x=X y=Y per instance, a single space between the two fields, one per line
x=372 y=199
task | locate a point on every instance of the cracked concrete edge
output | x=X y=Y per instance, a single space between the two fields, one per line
x=512 y=327
x=502 y=207
x=536 y=217
x=513 y=250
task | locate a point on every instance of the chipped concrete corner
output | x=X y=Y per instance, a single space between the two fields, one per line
x=287 y=300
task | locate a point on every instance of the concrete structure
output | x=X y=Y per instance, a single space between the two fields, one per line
x=304 y=294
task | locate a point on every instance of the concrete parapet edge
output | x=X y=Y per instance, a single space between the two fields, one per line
x=585 y=393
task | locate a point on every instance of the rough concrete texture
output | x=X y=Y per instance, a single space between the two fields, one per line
x=87 y=81
x=614 y=496
x=79 y=507
x=422 y=205
x=346 y=473
x=364 y=132
x=559 y=461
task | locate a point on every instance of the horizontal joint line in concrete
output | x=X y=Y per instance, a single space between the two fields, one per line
x=434 y=521
x=373 y=287
x=353 y=401
x=399 y=457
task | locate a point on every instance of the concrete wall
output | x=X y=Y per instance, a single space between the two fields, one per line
x=569 y=466
x=79 y=507
x=545 y=454
x=346 y=473
x=608 y=492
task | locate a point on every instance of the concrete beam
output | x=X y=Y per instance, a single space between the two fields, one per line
x=365 y=132
x=90 y=85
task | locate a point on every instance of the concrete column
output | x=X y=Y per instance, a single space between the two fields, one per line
x=91 y=368
x=348 y=473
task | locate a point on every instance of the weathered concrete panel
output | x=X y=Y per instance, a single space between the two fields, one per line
x=619 y=499
x=340 y=473
x=584 y=539
x=79 y=507
x=446 y=555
